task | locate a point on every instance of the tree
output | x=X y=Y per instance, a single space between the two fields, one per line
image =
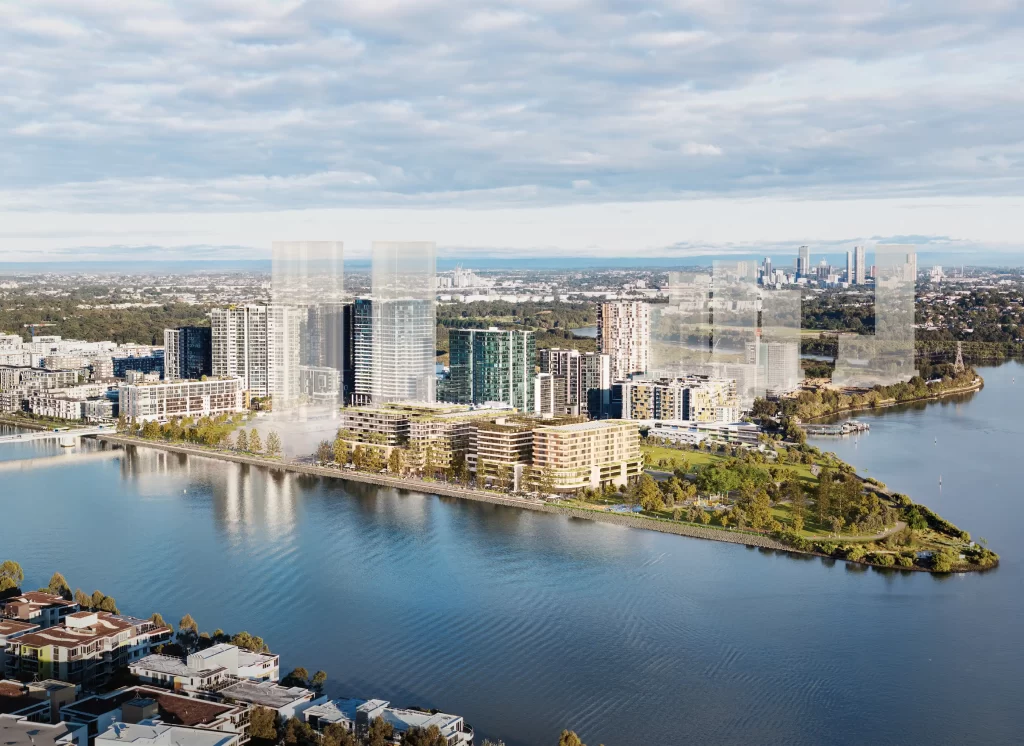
x=760 y=510
x=188 y=633
x=250 y=642
x=108 y=604
x=429 y=736
x=318 y=681
x=324 y=452
x=569 y=738
x=263 y=724
x=298 y=677
x=337 y=734
x=255 y=444
x=242 y=441
x=341 y=451
x=380 y=733
x=705 y=517
x=158 y=619
x=503 y=475
x=274 y=445
x=96 y=599
x=395 y=461
x=649 y=494
x=83 y=601
x=59 y=587
x=429 y=465
x=11 y=575
x=298 y=733
x=547 y=480
x=944 y=559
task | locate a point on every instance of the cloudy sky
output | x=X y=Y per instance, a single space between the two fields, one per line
x=208 y=129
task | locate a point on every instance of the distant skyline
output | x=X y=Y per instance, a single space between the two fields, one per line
x=189 y=131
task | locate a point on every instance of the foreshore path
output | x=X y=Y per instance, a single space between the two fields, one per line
x=731 y=536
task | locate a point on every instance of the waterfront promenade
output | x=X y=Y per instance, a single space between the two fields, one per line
x=452 y=490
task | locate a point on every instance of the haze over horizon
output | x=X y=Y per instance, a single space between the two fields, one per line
x=192 y=131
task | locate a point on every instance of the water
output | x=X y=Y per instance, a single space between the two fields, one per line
x=527 y=623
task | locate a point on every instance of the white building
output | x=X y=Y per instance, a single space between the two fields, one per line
x=624 y=333
x=20 y=731
x=356 y=715
x=261 y=345
x=287 y=702
x=156 y=733
x=162 y=400
x=240 y=663
x=695 y=433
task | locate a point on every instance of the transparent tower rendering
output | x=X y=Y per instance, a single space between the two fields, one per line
x=778 y=354
x=681 y=335
x=734 y=305
x=306 y=313
x=403 y=351
x=887 y=357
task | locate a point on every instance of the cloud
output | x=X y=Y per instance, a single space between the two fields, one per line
x=221 y=106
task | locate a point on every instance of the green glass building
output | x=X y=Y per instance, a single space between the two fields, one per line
x=492 y=365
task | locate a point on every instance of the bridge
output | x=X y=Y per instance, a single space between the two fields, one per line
x=65 y=436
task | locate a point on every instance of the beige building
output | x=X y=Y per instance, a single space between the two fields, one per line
x=624 y=333
x=163 y=400
x=588 y=454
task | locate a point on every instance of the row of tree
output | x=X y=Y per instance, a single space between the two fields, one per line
x=12 y=576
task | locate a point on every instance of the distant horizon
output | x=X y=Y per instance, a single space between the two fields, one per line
x=992 y=260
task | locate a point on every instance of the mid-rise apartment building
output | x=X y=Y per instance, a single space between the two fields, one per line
x=37 y=607
x=492 y=365
x=162 y=400
x=394 y=350
x=85 y=649
x=694 y=398
x=587 y=454
x=624 y=333
x=583 y=380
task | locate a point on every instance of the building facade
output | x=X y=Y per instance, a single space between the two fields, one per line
x=587 y=454
x=491 y=365
x=188 y=353
x=624 y=334
x=163 y=400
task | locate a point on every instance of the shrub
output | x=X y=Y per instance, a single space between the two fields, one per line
x=880 y=558
x=855 y=552
x=905 y=561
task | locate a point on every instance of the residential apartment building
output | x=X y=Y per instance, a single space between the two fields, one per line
x=145 y=703
x=260 y=345
x=778 y=365
x=445 y=430
x=37 y=701
x=287 y=702
x=694 y=398
x=37 y=607
x=163 y=400
x=188 y=353
x=356 y=716
x=624 y=333
x=140 y=364
x=588 y=454
x=150 y=732
x=583 y=380
x=9 y=630
x=16 y=730
x=548 y=396
x=860 y=267
x=695 y=433
x=492 y=365
x=503 y=449
x=85 y=649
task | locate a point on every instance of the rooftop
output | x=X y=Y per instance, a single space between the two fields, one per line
x=14 y=697
x=266 y=694
x=578 y=427
x=403 y=720
x=15 y=731
x=175 y=709
x=150 y=732
x=337 y=710
x=172 y=666
x=103 y=625
x=12 y=627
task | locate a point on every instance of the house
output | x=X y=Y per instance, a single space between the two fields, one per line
x=208 y=669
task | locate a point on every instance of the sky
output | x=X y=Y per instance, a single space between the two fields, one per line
x=143 y=129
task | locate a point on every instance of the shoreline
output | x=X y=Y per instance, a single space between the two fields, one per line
x=441 y=489
x=974 y=387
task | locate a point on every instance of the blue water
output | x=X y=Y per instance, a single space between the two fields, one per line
x=527 y=623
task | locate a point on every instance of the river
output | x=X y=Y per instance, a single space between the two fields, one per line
x=526 y=623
